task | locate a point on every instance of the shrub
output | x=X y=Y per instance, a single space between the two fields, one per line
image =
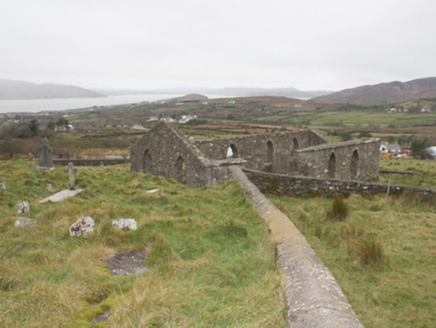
x=369 y=252
x=339 y=210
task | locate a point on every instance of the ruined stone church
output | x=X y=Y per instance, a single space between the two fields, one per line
x=166 y=152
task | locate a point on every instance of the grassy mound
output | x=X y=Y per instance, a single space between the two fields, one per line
x=211 y=259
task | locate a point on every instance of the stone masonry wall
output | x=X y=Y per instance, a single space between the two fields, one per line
x=163 y=151
x=356 y=159
x=270 y=152
x=280 y=184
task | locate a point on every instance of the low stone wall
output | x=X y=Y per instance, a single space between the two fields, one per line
x=280 y=184
x=354 y=159
x=398 y=172
x=90 y=162
x=313 y=297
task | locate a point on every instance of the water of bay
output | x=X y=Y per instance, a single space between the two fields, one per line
x=40 y=105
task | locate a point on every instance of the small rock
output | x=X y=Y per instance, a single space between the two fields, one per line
x=49 y=187
x=125 y=223
x=3 y=186
x=101 y=317
x=25 y=222
x=43 y=168
x=23 y=207
x=82 y=227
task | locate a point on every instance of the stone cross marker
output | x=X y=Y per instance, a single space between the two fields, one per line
x=45 y=161
x=71 y=174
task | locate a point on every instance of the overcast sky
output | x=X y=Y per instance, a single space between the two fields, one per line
x=143 y=44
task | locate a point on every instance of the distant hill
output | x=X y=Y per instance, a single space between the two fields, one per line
x=193 y=97
x=385 y=92
x=231 y=91
x=274 y=92
x=24 y=90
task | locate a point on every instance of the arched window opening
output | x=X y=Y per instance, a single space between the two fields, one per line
x=354 y=169
x=295 y=144
x=147 y=163
x=270 y=158
x=268 y=166
x=332 y=166
x=232 y=152
x=181 y=170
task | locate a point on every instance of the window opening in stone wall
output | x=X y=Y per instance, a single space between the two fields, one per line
x=332 y=166
x=354 y=165
x=232 y=152
x=270 y=152
x=295 y=144
x=181 y=170
x=147 y=163
x=268 y=166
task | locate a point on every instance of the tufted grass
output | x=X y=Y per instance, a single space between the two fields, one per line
x=383 y=256
x=211 y=258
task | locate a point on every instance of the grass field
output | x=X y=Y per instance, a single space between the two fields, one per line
x=425 y=177
x=399 y=289
x=211 y=258
x=353 y=118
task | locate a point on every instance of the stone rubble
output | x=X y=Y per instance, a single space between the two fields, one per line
x=125 y=224
x=82 y=227
x=23 y=207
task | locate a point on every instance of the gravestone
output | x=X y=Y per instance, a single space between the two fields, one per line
x=45 y=157
x=71 y=176
x=3 y=186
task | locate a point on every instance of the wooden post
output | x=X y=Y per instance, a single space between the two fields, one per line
x=389 y=188
x=71 y=174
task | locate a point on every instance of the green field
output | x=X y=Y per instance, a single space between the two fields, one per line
x=210 y=258
x=399 y=289
x=425 y=172
x=353 y=119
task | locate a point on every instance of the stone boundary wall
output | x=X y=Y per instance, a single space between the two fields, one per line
x=281 y=184
x=398 y=172
x=354 y=159
x=313 y=297
x=266 y=152
x=90 y=162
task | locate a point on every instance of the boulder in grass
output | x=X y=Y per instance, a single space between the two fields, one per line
x=25 y=223
x=125 y=224
x=82 y=227
x=23 y=207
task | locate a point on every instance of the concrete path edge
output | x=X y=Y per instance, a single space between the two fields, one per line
x=313 y=297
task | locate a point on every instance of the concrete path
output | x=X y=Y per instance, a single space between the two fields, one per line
x=61 y=195
x=314 y=298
